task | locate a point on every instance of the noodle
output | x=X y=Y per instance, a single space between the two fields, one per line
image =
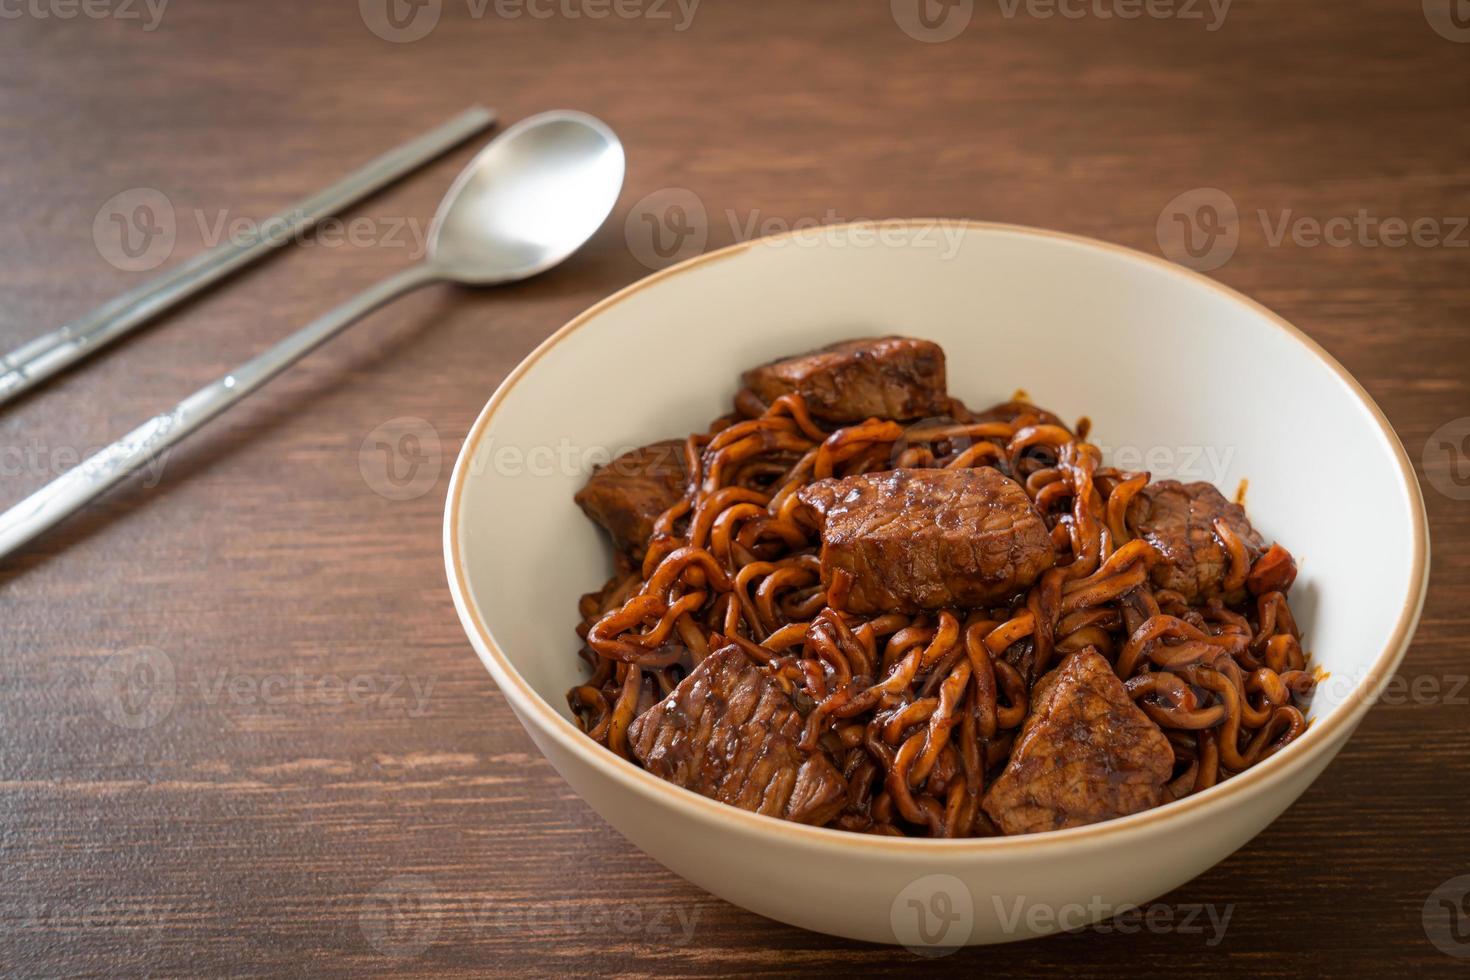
x=920 y=712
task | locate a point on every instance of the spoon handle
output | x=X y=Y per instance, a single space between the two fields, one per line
x=34 y=362
x=69 y=492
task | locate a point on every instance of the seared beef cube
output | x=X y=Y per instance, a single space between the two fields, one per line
x=627 y=495
x=928 y=538
x=1178 y=520
x=887 y=377
x=1086 y=753
x=731 y=733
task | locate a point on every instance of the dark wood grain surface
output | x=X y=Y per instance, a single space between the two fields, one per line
x=240 y=727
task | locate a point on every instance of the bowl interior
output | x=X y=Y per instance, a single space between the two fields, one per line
x=1178 y=375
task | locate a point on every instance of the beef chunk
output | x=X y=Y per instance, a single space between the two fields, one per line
x=887 y=377
x=1178 y=520
x=627 y=495
x=729 y=732
x=928 y=538
x=1086 y=753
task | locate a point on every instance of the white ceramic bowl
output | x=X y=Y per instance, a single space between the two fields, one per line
x=1178 y=373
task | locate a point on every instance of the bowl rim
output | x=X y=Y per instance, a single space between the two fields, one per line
x=1319 y=737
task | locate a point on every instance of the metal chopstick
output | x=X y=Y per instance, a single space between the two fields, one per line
x=34 y=362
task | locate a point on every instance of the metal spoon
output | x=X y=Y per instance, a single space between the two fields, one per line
x=526 y=202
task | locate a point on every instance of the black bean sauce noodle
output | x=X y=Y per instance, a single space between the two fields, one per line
x=920 y=712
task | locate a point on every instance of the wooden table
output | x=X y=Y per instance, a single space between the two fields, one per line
x=240 y=727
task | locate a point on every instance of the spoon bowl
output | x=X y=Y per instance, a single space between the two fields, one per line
x=528 y=200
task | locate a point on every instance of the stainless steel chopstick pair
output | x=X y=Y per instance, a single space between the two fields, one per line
x=47 y=355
